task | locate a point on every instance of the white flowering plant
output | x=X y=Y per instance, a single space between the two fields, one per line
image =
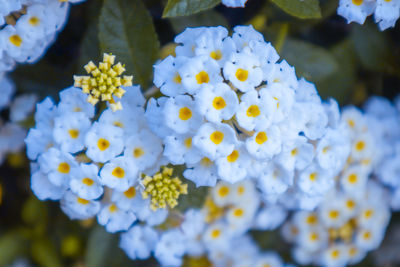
x=199 y=133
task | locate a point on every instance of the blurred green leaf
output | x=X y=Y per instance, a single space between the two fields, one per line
x=194 y=198
x=126 y=30
x=372 y=47
x=99 y=244
x=340 y=84
x=45 y=253
x=175 y=8
x=12 y=244
x=34 y=211
x=304 y=9
x=313 y=62
x=208 y=18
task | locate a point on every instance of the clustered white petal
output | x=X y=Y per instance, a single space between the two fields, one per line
x=230 y=105
x=28 y=28
x=386 y=12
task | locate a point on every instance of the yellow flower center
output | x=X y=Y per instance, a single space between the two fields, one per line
x=206 y=162
x=240 y=190
x=217 y=137
x=138 y=152
x=118 y=124
x=217 y=55
x=185 y=113
x=215 y=233
x=238 y=212
x=233 y=156
x=357 y=2
x=335 y=253
x=261 y=138
x=103 y=144
x=118 y=172
x=130 y=193
x=188 y=142
x=242 y=74
x=367 y=235
x=223 y=191
x=360 y=145
x=82 y=201
x=15 y=40
x=352 y=178
x=219 y=103
x=350 y=204
x=112 y=208
x=294 y=152
x=87 y=181
x=73 y=133
x=177 y=78
x=314 y=236
x=368 y=213
x=312 y=219
x=313 y=176
x=333 y=214
x=34 y=21
x=253 y=111
x=64 y=167
x=202 y=77
x=351 y=123
x=352 y=251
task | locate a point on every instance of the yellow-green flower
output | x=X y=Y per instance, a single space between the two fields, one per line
x=162 y=189
x=104 y=81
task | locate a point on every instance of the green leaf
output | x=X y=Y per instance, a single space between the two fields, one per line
x=304 y=9
x=176 y=8
x=99 y=244
x=12 y=244
x=44 y=252
x=127 y=31
x=373 y=48
x=313 y=62
x=207 y=18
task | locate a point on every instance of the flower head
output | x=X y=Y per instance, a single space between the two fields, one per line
x=104 y=81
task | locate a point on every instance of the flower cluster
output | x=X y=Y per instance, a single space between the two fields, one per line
x=386 y=12
x=105 y=82
x=231 y=111
x=12 y=134
x=352 y=218
x=210 y=233
x=384 y=119
x=96 y=166
x=27 y=28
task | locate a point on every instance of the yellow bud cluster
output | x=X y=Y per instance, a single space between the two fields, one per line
x=163 y=190
x=104 y=81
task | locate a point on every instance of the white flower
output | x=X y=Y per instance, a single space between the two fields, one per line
x=85 y=181
x=315 y=181
x=243 y=71
x=265 y=144
x=144 y=148
x=266 y=54
x=282 y=73
x=270 y=217
x=155 y=117
x=270 y=259
x=255 y=112
x=179 y=149
x=74 y=100
x=38 y=142
x=115 y=219
x=296 y=154
x=222 y=193
x=281 y=98
x=170 y=248
x=78 y=208
x=125 y=119
x=216 y=103
x=215 y=44
x=331 y=213
x=334 y=256
x=166 y=76
x=22 y=107
x=232 y=168
x=103 y=142
x=354 y=179
x=234 y=3
x=193 y=227
x=119 y=173
x=202 y=173
x=44 y=189
x=275 y=179
x=15 y=43
x=7 y=89
x=215 y=140
x=313 y=239
x=70 y=130
x=187 y=40
x=355 y=10
x=130 y=199
x=139 y=241
x=314 y=119
x=243 y=35
x=57 y=165
x=181 y=115
x=197 y=71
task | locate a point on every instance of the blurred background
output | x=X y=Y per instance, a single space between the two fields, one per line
x=347 y=62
